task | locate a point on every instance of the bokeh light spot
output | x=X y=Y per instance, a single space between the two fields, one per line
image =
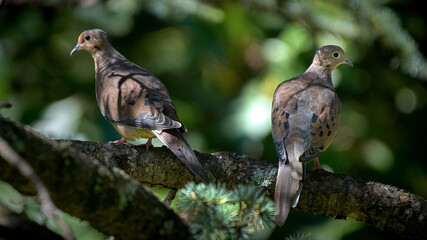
x=405 y=100
x=378 y=155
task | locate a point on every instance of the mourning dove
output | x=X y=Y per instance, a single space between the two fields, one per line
x=134 y=101
x=305 y=115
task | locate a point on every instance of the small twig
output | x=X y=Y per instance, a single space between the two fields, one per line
x=169 y=198
x=3 y=103
x=8 y=154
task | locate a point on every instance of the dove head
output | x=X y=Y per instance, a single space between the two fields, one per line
x=329 y=57
x=93 y=41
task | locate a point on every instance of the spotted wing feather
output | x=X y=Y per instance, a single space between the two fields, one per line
x=325 y=118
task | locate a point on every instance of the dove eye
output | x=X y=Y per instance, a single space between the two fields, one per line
x=87 y=37
x=336 y=54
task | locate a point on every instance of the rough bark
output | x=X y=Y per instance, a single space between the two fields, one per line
x=107 y=197
x=383 y=206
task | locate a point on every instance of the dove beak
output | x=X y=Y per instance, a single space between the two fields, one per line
x=76 y=48
x=346 y=61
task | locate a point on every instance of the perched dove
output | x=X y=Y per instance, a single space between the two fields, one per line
x=305 y=115
x=134 y=101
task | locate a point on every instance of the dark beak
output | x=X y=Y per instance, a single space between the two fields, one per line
x=348 y=62
x=76 y=48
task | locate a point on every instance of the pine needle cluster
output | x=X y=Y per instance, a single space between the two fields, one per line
x=213 y=212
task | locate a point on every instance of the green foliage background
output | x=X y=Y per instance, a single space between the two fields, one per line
x=221 y=62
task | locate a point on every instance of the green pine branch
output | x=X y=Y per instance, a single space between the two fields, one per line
x=213 y=212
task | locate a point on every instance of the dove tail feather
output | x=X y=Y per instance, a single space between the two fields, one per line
x=286 y=193
x=174 y=140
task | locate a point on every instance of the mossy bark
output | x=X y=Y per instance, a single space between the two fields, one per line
x=383 y=206
x=104 y=195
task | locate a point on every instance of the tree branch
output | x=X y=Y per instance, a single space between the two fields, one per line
x=102 y=194
x=10 y=156
x=383 y=206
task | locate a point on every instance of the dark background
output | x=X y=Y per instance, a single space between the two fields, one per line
x=221 y=62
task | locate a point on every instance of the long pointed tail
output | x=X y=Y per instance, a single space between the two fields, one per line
x=286 y=192
x=174 y=140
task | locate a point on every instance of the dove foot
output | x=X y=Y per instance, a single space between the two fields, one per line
x=121 y=141
x=148 y=144
x=317 y=165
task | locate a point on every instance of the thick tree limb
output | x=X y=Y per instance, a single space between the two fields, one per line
x=383 y=206
x=104 y=195
x=10 y=156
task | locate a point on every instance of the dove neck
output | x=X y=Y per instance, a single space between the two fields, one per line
x=321 y=71
x=106 y=56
